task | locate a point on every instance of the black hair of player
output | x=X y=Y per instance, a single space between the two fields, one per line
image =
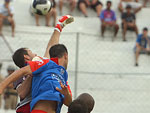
x=88 y=100
x=57 y=51
x=77 y=106
x=18 y=57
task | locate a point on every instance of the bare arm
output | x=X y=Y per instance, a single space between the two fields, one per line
x=25 y=85
x=54 y=40
x=15 y=76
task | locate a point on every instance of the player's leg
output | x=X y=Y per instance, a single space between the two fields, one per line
x=12 y=22
x=63 y=21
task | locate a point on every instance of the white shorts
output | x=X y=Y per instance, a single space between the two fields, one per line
x=134 y=5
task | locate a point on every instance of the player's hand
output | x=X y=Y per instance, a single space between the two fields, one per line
x=64 y=89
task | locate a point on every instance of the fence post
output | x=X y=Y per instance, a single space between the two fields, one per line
x=76 y=65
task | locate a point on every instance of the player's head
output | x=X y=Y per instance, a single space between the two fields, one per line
x=22 y=55
x=128 y=8
x=109 y=4
x=77 y=106
x=145 y=31
x=88 y=100
x=59 y=51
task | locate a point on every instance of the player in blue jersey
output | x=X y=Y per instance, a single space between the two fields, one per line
x=46 y=77
x=27 y=55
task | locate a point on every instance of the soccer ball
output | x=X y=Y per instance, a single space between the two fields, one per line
x=41 y=7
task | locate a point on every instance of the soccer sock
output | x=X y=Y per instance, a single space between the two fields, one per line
x=58 y=27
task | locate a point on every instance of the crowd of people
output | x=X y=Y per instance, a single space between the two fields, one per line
x=128 y=10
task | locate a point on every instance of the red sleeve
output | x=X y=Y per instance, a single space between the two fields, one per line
x=35 y=65
x=69 y=89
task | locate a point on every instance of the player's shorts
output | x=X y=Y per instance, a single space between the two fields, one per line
x=134 y=5
x=38 y=111
x=24 y=109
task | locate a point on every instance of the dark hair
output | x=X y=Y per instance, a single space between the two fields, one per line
x=145 y=29
x=88 y=100
x=18 y=57
x=109 y=2
x=77 y=106
x=57 y=50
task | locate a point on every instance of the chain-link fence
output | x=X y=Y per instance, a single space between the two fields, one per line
x=103 y=68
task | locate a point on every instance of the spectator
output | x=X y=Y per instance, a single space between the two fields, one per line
x=108 y=19
x=6 y=16
x=52 y=13
x=1 y=78
x=72 y=4
x=133 y=3
x=145 y=2
x=141 y=44
x=10 y=95
x=94 y=4
x=128 y=22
